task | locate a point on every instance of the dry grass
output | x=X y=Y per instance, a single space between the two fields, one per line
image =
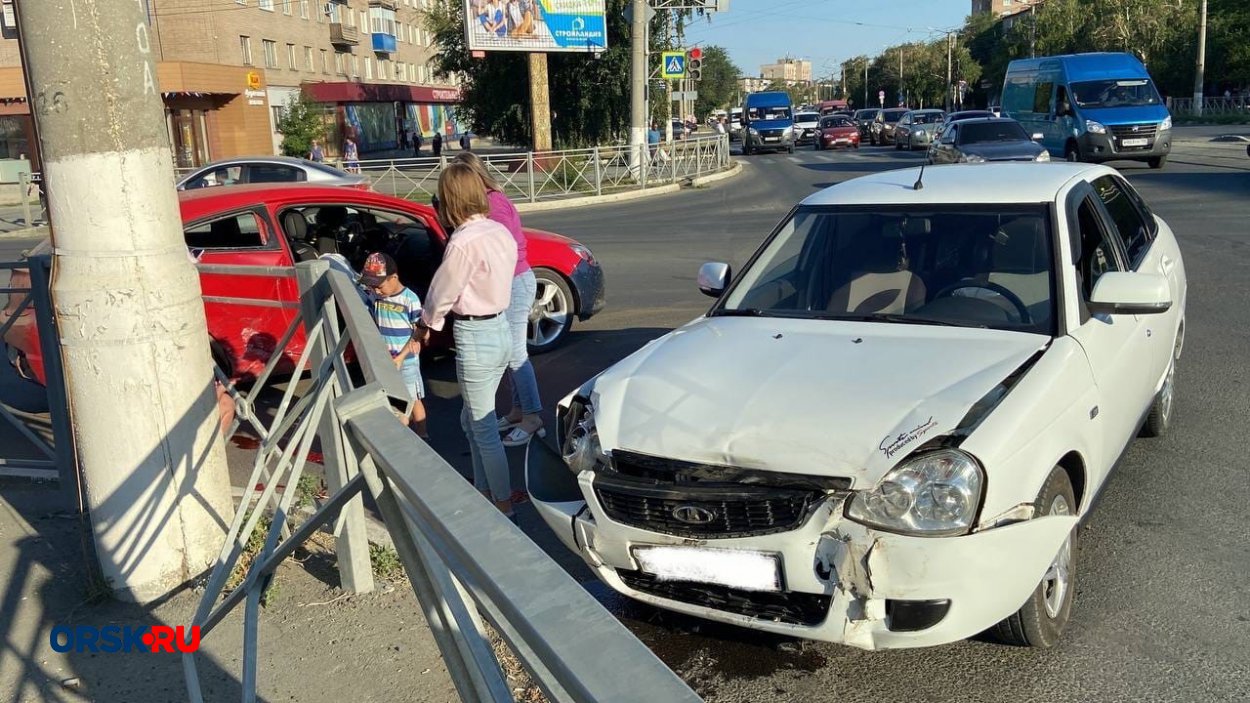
x=524 y=690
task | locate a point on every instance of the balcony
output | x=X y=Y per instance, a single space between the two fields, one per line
x=385 y=4
x=342 y=35
x=383 y=43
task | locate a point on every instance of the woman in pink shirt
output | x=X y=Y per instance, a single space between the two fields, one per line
x=525 y=419
x=472 y=287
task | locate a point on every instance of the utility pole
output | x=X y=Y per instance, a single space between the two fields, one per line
x=1033 y=31
x=1199 y=74
x=540 y=102
x=134 y=338
x=638 y=85
x=865 y=81
x=900 y=72
x=948 y=71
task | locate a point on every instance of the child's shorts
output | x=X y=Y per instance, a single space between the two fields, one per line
x=411 y=371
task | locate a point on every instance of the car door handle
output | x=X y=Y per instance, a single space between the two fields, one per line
x=1166 y=264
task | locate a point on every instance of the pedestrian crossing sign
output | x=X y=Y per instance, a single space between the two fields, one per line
x=674 y=64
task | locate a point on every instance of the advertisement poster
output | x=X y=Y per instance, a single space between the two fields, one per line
x=536 y=25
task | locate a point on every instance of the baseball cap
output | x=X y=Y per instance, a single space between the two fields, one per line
x=378 y=267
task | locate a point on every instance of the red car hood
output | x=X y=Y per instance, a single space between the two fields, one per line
x=539 y=235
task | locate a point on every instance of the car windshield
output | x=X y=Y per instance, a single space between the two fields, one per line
x=996 y=131
x=961 y=265
x=836 y=122
x=806 y=117
x=1122 y=93
x=866 y=114
x=893 y=116
x=780 y=112
x=957 y=116
x=926 y=117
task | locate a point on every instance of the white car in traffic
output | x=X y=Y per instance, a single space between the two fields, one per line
x=887 y=429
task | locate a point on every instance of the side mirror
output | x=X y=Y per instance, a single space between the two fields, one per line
x=713 y=279
x=1038 y=136
x=1128 y=293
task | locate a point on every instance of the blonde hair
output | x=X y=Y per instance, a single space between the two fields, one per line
x=460 y=194
x=475 y=162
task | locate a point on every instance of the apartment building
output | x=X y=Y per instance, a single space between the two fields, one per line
x=228 y=68
x=789 y=70
x=1002 y=8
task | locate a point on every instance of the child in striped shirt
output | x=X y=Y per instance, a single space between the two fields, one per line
x=396 y=310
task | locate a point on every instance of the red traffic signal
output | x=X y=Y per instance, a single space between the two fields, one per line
x=696 y=53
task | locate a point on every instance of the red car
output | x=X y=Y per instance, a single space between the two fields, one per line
x=266 y=226
x=836 y=131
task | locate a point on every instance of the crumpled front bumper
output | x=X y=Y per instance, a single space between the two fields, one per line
x=861 y=572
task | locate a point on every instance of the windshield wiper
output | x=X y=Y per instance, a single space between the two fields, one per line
x=742 y=312
x=901 y=319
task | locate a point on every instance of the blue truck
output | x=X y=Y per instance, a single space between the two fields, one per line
x=1090 y=107
x=767 y=123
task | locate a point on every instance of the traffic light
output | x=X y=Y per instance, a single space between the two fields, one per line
x=694 y=64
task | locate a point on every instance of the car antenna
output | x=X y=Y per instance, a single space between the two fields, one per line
x=919 y=179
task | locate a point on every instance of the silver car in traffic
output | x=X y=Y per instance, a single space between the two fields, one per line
x=270 y=169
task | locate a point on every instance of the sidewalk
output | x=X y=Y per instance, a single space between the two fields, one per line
x=316 y=643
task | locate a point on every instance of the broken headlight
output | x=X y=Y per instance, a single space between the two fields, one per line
x=581 y=449
x=930 y=495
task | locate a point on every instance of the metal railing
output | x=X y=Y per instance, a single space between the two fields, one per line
x=467 y=563
x=1210 y=106
x=552 y=175
x=34 y=204
x=49 y=433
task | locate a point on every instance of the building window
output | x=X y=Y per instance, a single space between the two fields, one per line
x=286 y=6
x=336 y=16
x=368 y=70
x=271 y=53
x=382 y=21
x=381 y=70
x=290 y=57
x=355 y=67
x=403 y=72
x=245 y=45
x=325 y=61
x=364 y=22
x=338 y=63
x=266 y=5
x=303 y=9
x=278 y=112
x=308 y=59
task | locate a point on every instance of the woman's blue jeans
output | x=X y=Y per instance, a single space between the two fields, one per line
x=524 y=382
x=483 y=348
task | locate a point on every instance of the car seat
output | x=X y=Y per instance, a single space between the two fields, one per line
x=295 y=225
x=881 y=281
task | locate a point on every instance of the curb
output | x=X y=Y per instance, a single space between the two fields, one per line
x=598 y=199
x=26 y=233
x=735 y=170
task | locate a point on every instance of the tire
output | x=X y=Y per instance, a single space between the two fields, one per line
x=546 y=332
x=1158 y=162
x=898 y=146
x=1072 y=152
x=791 y=149
x=1040 y=622
x=1160 y=416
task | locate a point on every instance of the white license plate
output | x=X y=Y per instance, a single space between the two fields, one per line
x=771 y=139
x=732 y=568
x=1134 y=142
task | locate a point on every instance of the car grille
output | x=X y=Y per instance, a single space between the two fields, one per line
x=791 y=608
x=1138 y=131
x=648 y=492
x=771 y=132
x=728 y=516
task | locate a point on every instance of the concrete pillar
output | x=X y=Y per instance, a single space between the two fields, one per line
x=127 y=297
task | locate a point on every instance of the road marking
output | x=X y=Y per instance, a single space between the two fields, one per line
x=795 y=159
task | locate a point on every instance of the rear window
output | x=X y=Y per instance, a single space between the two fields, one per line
x=996 y=131
x=806 y=117
x=894 y=116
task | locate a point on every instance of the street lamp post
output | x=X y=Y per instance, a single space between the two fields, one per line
x=1199 y=74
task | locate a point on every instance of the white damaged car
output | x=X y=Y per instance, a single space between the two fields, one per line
x=889 y=426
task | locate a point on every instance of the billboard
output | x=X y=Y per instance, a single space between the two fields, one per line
x=536 y=25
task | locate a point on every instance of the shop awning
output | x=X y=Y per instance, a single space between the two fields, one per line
x=349 y=92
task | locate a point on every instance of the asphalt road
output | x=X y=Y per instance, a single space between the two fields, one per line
x=1163 y=601
x=1163 y=606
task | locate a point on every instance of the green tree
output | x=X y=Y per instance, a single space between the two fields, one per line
x=301 y=123
x=589 y=94
x=720 y=81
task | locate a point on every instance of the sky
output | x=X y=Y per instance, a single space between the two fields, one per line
x=826 y=32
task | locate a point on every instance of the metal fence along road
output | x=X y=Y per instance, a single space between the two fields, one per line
x=1210 y=106
x=468 y=564
x=27 y=309
x=553 y=175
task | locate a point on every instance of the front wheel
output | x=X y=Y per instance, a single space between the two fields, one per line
x=551 y=316
x=1158 y=162
x=1040 y=622
x=791 y=149
x=1072 y=153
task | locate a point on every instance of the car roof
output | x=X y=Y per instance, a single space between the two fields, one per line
x=290 y=160
x=929 y=110
x=205 y=202
x=959 y=184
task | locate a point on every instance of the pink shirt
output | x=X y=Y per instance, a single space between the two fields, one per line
x=475 y=277
x=504 y=212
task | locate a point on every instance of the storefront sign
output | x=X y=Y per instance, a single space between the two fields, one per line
x=254 y=97
x=253 y=80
